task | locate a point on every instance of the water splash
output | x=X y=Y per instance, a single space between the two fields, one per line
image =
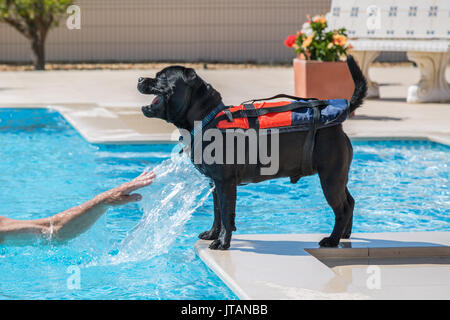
x=178 y=190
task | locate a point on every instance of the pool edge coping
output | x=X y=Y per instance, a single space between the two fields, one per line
x=95 y=135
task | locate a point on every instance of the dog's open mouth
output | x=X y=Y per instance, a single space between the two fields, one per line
x=156 y=101
x=149 y=109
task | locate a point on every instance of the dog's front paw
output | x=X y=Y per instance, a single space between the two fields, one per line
x=328 y=242
x=209 y=235
x=218 y=245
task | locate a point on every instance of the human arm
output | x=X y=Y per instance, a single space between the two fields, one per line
x=70 y=223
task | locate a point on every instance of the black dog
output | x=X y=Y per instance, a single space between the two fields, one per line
x=182 y=97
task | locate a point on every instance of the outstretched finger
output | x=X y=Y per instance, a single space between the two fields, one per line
x=149 y=174
x=143 y=182
x=145 y=175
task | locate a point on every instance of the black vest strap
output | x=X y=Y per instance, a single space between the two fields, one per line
x=281 y=95
x=249 y=113
x=307 y=167
x=228 y=114
x=253 y=122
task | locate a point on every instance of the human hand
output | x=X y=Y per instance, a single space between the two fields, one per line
x=122 y=194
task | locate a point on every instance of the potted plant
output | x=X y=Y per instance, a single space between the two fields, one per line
x=318 y=69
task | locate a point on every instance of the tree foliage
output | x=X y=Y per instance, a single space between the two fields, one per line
x=33 y=19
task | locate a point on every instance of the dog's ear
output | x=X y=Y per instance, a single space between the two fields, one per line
x=189 y=75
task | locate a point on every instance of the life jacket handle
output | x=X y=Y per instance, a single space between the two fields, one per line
x=281 y=95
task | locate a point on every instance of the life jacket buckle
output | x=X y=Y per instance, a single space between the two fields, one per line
x=229 y=115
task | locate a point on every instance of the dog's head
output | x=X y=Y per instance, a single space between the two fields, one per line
x=177 y=90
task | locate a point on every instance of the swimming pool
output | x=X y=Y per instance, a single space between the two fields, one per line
x=47 y=167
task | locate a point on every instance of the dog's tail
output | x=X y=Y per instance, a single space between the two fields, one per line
x=360 y=82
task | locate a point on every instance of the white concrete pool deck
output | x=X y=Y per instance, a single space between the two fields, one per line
x=396 y=265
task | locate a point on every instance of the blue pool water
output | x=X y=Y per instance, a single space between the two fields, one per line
x=145 y=251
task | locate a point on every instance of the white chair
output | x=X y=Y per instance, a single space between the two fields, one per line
x=421 y=28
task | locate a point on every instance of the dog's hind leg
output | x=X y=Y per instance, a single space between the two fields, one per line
x=226 y=194
x=348 y=228
x=333 y=168
x=213 y=233
x=333 y=155
x=335 y=192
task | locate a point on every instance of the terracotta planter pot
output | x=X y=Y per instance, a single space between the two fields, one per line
x=322 y=80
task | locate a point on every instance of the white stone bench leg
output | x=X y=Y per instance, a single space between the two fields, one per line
x=364 y=59
x=432 y=87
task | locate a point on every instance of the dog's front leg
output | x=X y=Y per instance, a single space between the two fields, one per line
x=226 y=193
x=213 y=233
